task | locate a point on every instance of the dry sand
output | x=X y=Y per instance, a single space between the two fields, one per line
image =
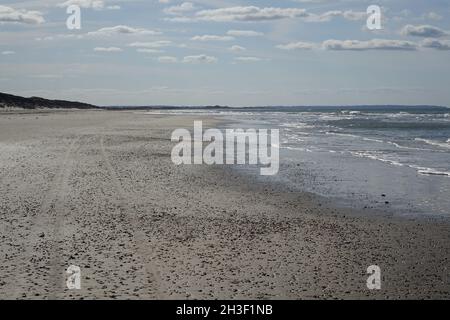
x=98 y=190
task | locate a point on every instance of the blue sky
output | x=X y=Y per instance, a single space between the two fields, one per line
x=228 y=52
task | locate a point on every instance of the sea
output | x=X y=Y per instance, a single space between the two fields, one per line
x=392 y=159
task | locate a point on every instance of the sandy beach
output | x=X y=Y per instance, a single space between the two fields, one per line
x=98 y=189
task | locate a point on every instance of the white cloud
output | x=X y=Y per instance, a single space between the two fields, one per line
x=181 y=19
x=8 y=52
x=432 y=16
x=10 y=15
x=443 y=45
x=94 y=4
x=212 y=38
x=374 y=44
x=237 y=48
x=167 y=59
x=244 y=33
x=423 y=31
x=296 y=46
x=151 y=45
x=202 y=58
x=144 y=50
x=327 y=16
x=59 y=36
x=257 y=14
x=248 y=59
x=180 y=9
x=250 y=13
x=121 y=29
x=89 y=4
x=108 y=49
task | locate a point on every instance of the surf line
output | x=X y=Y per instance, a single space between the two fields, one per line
x=233 y=147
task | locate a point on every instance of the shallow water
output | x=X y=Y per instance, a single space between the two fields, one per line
x=390 y=158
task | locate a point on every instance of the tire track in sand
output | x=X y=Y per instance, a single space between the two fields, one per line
x=10 y=236
x=57 y=266
x=139 y=237
x=53 y=209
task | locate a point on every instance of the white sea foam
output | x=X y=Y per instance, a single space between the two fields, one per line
x=373 y=140
x=350 y=112
x=334 y=117
x=363 y=154
x=300 y=125
x=298 y=149
x=434 y=172
x=382 y=141
x=435 y=143
x=420 y=170
x=430 y=171
x=342 y=134
x=407 y=148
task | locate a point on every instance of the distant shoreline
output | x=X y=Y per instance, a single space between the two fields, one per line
x=323 y=108
x=14 y=101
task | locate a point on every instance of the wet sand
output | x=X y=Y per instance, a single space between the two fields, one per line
x=97 y=189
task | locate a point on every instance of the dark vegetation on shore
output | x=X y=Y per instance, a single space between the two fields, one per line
x=12 y=101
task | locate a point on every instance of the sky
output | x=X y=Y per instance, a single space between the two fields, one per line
x=227 y=52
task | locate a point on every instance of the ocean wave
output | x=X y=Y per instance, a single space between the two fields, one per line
x=398 y=115
x=434 y=172
x=331 y=118
x=376 y=157
x=430 y=171
x=298 y=149
x=379 y=141
x=420 y=170
x=435 y=143
x=290 y=139
x=300 y=125
x=374 y=140
x=382 y=124
x=350 y=112
x=342 y=134
x=410 y=148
